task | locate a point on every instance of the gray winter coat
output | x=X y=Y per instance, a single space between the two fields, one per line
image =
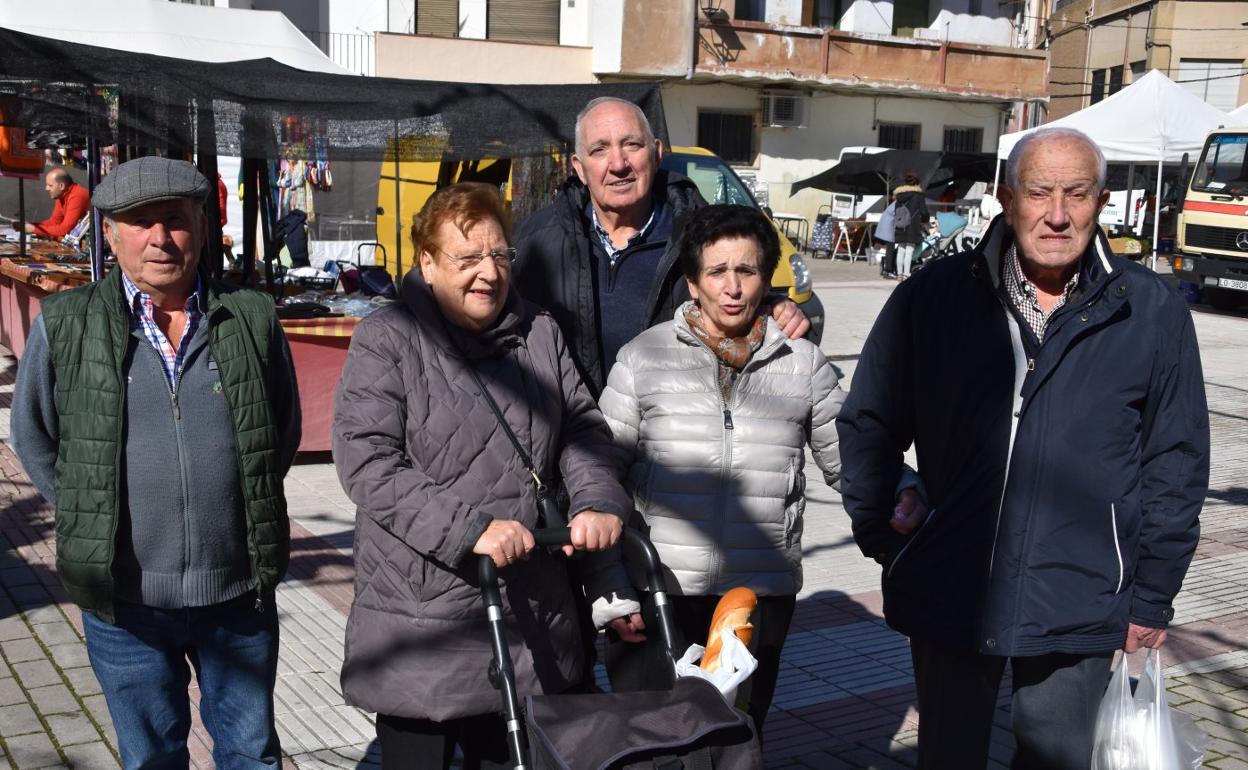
x=423 y=457
x=721 y=486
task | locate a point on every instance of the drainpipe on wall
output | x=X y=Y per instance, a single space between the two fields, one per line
x=693 y=39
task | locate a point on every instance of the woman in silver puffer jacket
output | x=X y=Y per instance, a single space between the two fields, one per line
x=713 y=411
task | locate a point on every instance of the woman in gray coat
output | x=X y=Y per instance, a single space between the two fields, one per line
x=438 y=483
x=713 y=411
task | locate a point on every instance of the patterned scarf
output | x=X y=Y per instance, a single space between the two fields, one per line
x=733 y=353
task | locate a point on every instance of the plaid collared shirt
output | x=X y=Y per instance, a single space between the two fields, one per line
x=142 y=316
x=605 y=237
x=1022 y=293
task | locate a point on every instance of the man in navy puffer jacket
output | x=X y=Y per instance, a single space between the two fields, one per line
x=1054 y=396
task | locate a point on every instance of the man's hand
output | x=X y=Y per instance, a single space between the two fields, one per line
x=792 y=321
x=505 y=541
x=909 y=513
x=594 y=531
x=629 y=628
x=1143 y=636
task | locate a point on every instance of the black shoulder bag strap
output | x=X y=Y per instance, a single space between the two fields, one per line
x=548 y=511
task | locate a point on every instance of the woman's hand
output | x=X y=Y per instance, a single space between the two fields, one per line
x=505 y=541
x=629 y=628
x=594 y=531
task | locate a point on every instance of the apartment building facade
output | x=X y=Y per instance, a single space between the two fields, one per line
x=1099 y=46
x=775 y=87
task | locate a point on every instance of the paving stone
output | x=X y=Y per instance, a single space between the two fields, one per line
x=10 y=692
x=36 y=673
x=91 y=756
x=11 y=577
x=13 y=627
x=71 y=729
x=1229 y=763
x=56 y=632
x=46 y=613
x=22 y=650
x=54 y=699
x=72 y=655
x=18 y=719
x=32 y=752
x=83 y=681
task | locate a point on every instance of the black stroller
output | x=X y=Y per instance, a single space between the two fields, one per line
x=690 y=726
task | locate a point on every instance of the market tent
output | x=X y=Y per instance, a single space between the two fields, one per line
x=1239 y=115
x=1152 y=119
x=194 y=32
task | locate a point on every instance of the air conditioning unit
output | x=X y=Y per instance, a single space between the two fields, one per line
x=784 y=110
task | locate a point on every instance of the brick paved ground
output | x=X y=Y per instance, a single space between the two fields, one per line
x=844 y=698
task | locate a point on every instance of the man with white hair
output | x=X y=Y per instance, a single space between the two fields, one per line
x=1054 y=398
x=600 y=257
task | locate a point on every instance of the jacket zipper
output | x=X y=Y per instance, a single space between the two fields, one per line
x=182 y=459
x=1022 y=362
x=725 y=471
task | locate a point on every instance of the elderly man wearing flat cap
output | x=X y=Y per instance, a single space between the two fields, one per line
x=157 y=411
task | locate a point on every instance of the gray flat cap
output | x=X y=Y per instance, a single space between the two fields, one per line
x=147 y=180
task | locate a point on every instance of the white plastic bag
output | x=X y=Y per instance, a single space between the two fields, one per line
x=735 y=665
x=1140 y=731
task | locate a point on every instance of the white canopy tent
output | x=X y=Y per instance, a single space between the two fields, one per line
x=1239 y=115
x=180 y=30
x=1153 y=120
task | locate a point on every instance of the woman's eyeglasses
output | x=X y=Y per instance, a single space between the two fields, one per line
x=502 y=258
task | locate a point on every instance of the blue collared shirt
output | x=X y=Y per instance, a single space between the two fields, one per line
x=143 y=316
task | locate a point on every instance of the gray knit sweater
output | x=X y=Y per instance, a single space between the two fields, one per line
x=182 y=536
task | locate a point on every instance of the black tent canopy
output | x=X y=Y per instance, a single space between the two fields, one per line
x=61 y=93
x=880 y=173
x=71 y=95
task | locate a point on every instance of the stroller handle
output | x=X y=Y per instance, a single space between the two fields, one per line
x=637 y=544
x=503 y=673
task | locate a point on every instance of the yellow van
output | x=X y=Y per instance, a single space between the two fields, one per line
x=717 y=182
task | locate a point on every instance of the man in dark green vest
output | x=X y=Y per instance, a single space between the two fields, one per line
x=157 y=411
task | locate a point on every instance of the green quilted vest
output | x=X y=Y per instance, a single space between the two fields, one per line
x=88 y=333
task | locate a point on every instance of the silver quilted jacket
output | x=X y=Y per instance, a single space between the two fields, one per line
x=720 y=486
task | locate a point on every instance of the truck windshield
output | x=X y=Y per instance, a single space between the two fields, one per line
x=1223 y=166
x=716 y=182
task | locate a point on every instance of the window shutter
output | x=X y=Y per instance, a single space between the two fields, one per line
x=523 y=21
x=437 y=17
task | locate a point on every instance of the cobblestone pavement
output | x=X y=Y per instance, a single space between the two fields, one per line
x=844 y=698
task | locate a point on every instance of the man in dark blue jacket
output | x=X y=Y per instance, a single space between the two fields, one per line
x=1054 y=397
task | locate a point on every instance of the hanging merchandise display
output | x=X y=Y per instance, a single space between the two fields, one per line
x=304 y=166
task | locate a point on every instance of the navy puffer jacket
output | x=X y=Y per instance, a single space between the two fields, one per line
x=1066 y=479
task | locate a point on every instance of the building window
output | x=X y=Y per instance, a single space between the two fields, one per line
x=899 y=136
x=828 y=13
x=963 y=139
x=730 y=135
x=750 y=10
x=1115 y=80
x=1098 y=86
x=523 y=21
x=437 y=17
x=909 y=15
x=1214 y=80
x=1138 y=70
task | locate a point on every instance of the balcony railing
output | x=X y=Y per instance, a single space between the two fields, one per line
x=354 y=51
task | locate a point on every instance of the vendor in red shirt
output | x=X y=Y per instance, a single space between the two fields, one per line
x=72 y=201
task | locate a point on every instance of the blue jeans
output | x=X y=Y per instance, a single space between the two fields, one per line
x=142 y=665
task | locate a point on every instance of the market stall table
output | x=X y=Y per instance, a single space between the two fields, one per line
x=318 y=347
x=23 y=285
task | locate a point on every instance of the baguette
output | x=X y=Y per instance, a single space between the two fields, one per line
x=733 y=613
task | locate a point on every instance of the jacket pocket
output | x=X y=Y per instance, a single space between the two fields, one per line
x=912 y=542
x=1124 y=524
x=795 y=489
